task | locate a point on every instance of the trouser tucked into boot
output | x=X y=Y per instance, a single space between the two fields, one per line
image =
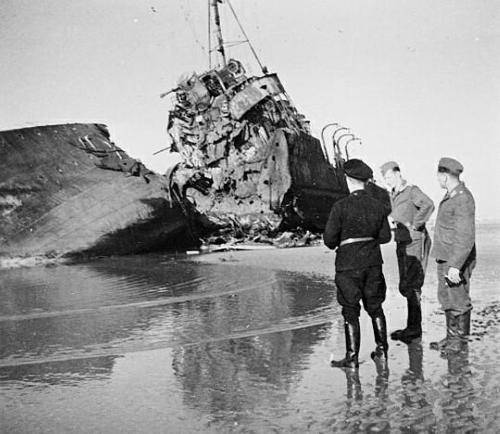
x=380 y=334
x=457 y=330
x=353 y=286
x=414 y=320
x=462 y=330
x=456 y=303
x=411 y=278
x=352 y=343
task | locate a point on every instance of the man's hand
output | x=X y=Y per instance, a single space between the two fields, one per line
x=410 y=226
x=454 y=275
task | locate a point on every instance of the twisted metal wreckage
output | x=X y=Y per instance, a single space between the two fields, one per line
x=249 y=164
x=250 y=171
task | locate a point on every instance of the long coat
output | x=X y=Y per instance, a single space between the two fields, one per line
x=411 y=205
x=455 y=232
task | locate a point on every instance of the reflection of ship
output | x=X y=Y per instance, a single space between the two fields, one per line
x=52 y=319
x=67 y=189
x=248 y=156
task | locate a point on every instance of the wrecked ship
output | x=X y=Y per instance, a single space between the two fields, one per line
x=249 y=162
x=250 y=170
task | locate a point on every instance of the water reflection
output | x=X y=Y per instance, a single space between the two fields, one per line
x=62 y=317
x=59 y=373
x=150 y=344
x=417 y=412
x=458 y=401
x=231 y=379
x=365 y=410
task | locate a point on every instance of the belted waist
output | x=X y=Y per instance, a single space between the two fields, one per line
x=355 y=240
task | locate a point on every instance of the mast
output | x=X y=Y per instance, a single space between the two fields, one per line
x=220 y=41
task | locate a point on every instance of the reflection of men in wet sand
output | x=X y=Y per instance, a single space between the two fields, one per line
x=416 y=408
x=365 y=415
x=356 y=227
x=455 y=252
x=459 y=403
x=411 y=209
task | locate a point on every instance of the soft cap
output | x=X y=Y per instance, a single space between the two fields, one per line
x=358 y=169
x=390 y=165
x=452 y=165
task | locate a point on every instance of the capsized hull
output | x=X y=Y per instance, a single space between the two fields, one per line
x=67 y=190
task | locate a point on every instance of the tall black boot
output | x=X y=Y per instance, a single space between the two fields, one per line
x=464 y=324
x=451 y=331
x=414 y=322
x=462 y=329
x=352 y=343
x=380 y=334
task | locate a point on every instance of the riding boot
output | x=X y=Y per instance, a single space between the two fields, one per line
x=352 y=343
x=451 y=331
x=464 y=324
x=457 y=342
x=380 y=334
x=414 y=322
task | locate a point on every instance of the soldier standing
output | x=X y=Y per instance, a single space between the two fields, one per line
x=356 y=227
x=380 y=194
x=411 y=209
x=455 y=252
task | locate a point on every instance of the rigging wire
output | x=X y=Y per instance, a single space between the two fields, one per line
x=189 y=20
x=263 y=68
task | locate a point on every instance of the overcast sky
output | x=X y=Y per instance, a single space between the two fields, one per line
x=416 y=80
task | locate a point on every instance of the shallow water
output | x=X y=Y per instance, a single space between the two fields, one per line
x=232 y=343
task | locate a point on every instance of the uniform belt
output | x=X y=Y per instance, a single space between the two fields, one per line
x=355 y=240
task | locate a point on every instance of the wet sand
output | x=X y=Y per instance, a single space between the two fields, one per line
x=233 y=342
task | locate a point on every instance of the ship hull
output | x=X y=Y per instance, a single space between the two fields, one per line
x=61 y=197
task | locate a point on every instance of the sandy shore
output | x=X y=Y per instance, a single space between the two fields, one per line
x=235 y=341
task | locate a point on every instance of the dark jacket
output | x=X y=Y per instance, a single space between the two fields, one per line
x=358 y=215
x=455 y=232
x=380 y=194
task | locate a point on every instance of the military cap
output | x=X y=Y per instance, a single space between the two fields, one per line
x=450 y=165
x=358 y=169
x=390 y=165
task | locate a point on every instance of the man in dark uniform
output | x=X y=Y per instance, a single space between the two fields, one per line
x=411 y=209
x=356 y=227
x=380 y=194
x=455 y=252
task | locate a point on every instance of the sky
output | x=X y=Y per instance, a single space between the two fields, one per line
x=415 y=80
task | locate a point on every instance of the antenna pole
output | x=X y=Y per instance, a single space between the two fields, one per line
x=218 y=30
x=263 y=68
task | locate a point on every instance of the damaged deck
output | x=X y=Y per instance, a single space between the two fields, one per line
x=250 y=165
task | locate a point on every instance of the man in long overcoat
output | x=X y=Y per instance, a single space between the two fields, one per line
x=411 y=209
x=455 y=252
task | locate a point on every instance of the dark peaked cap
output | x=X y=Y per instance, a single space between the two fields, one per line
x=451 y=165
x=358 y=169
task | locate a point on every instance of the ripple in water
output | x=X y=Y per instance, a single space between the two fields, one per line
x=144 y=344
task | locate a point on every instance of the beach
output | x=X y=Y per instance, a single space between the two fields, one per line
x=234 y=342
